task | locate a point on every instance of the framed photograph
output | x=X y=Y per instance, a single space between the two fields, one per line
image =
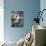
x=17 y=19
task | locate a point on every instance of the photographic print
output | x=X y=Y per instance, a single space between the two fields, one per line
x=17 y=19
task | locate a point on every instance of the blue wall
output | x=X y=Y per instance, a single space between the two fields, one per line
x=29 y=7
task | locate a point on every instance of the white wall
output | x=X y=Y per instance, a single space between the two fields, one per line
x=1 y=21
x=43 y=6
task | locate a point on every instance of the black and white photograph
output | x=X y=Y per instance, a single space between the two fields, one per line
x=17 y=19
